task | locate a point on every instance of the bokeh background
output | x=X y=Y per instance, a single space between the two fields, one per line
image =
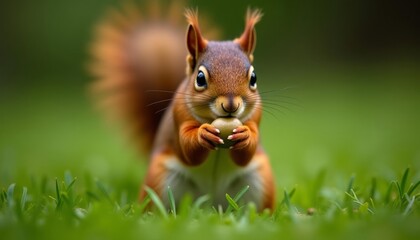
x=345 y=74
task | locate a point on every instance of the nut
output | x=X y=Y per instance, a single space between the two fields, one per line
x=226 y=126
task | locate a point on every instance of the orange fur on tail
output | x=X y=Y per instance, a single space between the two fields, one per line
x=138 y=62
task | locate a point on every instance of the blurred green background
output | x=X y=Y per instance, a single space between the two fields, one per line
x=347 y=75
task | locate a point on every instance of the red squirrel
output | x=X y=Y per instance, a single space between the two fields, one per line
x=139 y=63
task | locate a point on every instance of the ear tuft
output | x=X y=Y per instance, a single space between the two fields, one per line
x=248 y=38
x=196 y=43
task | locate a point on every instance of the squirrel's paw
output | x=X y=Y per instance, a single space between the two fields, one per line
x=242 y=136
x=208 y=136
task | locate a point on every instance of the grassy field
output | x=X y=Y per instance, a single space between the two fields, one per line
x=344 y=144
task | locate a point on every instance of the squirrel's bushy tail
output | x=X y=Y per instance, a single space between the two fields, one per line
x=138 y=62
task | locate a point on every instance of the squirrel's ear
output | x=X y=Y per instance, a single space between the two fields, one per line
x=248 y=38
x=196 y=43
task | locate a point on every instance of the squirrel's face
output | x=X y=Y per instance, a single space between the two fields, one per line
x=222 y=81
x=224 y=84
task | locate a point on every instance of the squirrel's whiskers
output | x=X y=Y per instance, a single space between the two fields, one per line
x=170 y=104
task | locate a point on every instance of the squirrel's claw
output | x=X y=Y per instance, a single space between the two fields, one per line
x=208 y=136
x=241 y=135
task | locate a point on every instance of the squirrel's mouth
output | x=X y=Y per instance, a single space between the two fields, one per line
x=226 y=116
x=221 y=111
x=229 y=115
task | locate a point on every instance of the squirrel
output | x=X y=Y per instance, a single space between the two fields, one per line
x=169 y=104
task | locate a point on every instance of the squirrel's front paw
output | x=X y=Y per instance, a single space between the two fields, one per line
x=208 y=136
x=242 y=136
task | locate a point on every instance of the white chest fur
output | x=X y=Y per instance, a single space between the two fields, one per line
x=217 y=176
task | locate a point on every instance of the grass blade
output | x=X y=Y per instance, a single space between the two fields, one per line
x=57 y=191
x=200 y=201
x=373 y=189
x=144 y=204
x=24 y=198
x=241 y=193
x=232 y=203
x=286 y=200
x=412 y=188
x=290 y=195
x=3 y=196
x=289 y=206
x=409 y=205
x=10 y=192
x=172 y=203
x=347 y=200
x=104 y=191
x=389 y=192
x=237 y=197
x=156 y=200
x=403 y=183
x=70 y=185
x=350 y=185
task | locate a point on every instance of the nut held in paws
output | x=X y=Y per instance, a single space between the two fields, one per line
x=226 y=126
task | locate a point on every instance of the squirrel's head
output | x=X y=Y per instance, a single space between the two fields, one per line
x=222 y=81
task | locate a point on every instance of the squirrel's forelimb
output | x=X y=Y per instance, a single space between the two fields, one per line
x=141 y=64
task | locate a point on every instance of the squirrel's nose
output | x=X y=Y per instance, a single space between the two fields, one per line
x=230 y=107
x=227 y=105
x=230 y=104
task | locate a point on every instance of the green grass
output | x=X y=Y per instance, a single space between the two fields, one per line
x=345 y=153
x=68 y=210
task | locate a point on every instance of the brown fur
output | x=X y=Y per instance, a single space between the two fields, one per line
x=138 y=63
x=141 y=78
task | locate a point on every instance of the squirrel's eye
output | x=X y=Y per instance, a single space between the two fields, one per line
x=200 y=81
x=252 y=79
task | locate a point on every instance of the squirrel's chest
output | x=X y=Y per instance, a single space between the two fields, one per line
x=217 y=176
